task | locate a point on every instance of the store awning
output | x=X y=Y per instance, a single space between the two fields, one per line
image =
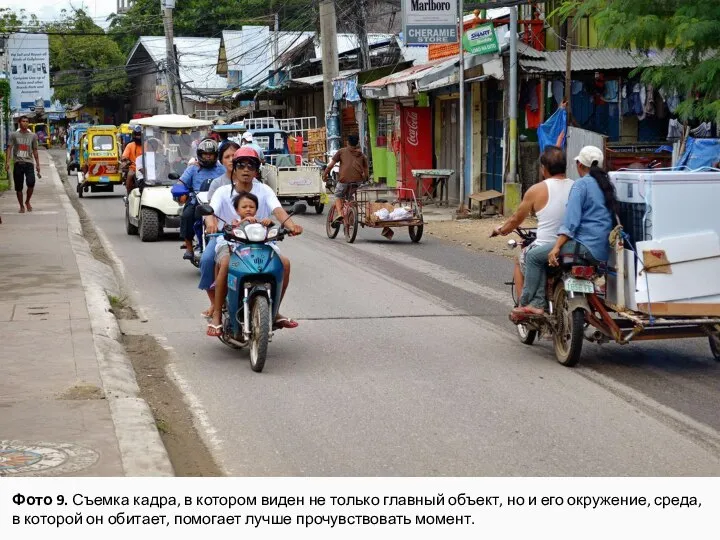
x=430 y=76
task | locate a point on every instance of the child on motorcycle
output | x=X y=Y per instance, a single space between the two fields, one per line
x=246 y=206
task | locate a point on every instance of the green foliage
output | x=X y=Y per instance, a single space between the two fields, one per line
x=208 y=18
x=88 y=67
x=690 y=28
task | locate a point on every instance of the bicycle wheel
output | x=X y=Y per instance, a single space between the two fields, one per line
x=351 y=224
x=330 y=229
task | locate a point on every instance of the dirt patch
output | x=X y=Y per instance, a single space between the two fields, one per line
x=474 y=234
x=82 y=392
x=187 y=452
x=121 y=308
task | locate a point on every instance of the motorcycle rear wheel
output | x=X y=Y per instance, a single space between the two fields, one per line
x=259 y=332
x=527 y=337
x=568 y=335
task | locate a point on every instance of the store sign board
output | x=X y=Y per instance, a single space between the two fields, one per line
x=29 y=70
x=481 y=40
x=430 y=21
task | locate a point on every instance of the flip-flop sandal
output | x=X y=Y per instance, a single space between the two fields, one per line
x=285 y=323
x=526 y=312
x=214 y=330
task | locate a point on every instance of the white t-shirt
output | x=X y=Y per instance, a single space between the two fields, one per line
x=222 y=202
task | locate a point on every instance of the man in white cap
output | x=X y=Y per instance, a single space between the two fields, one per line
x=247 y=140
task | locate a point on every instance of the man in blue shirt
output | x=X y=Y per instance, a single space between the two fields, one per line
x=197 y=178
x=585 y=230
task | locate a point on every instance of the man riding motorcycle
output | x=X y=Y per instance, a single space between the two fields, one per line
x=197 y=178
x=547 y=200
x=245 y=174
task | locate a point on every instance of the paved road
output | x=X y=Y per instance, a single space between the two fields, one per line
x=405 y=364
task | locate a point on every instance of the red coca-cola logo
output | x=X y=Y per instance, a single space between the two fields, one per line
x=411 y=120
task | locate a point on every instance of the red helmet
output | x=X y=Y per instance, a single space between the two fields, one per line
x=247 y=152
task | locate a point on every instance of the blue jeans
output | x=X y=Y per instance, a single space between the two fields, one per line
x=207 y=265
x=536 y=261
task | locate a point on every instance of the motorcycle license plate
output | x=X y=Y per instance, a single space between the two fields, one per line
x=324 y=199
x=579 y=285
x=104 y=179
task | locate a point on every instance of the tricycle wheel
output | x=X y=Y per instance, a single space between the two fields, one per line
x=351 y=225
x=568 y=335
x=80 y=190
x=259 y=333
x=149 y=225
x=527 y=336
x=330 y=229
x=415 y=232
x=319 y=207
x=715 y=345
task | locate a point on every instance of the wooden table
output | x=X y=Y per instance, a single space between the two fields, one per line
x=439 y=180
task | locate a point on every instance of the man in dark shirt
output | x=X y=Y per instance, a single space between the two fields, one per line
x=354 y=170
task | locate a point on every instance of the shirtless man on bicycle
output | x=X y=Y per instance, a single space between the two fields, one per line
x=354 y=170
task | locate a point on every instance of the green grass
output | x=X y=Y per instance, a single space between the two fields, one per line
x=4 y=183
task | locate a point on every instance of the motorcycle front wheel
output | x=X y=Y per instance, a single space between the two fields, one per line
x=259 y=332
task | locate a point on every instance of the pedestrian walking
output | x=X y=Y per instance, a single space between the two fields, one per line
x=22 y=148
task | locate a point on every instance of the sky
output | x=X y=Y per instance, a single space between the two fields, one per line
x=48 y=10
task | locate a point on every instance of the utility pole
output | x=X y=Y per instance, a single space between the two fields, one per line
x=568 y=71
x=512 y=192
x=276 y=50
x=330 y=67
x=461 y=123
x=362 y=36
x=170 y=71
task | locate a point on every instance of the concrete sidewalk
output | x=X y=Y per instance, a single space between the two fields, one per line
x=69 y=401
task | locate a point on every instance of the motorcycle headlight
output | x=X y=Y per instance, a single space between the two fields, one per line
x=239 y=233
x=256 y=232
x=272 y=234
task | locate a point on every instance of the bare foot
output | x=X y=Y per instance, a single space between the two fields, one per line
x=22 y=209
x=29 y=206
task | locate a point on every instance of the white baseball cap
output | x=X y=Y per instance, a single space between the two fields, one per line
x=589 y=155
x=247 y=137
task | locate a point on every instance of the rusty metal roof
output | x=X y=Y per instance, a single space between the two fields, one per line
x=590 y=60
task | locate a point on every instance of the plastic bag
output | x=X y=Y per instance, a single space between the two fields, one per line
x=552 y=128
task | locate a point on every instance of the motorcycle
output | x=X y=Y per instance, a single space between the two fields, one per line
x=182 y=194
x=568 y=287
x=255 y=279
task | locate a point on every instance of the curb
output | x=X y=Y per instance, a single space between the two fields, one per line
x=141 y=448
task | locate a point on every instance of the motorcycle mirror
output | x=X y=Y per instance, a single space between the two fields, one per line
x=173 y=176
x=204 y=210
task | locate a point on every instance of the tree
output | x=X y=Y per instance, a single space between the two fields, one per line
x=87 y=65
x=690 y=28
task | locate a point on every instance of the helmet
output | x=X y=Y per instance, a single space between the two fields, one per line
x=247 y=152
x=137 y=131
x=207 y=146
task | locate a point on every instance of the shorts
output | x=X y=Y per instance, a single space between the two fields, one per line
x=24 y=173
x=342 y=189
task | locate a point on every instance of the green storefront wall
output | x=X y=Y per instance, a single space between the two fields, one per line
x=384 y=160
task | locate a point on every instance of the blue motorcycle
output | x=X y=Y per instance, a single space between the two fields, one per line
x=183 y=194
x=255 y=279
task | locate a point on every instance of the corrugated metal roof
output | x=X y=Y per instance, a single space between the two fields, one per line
x=590 y=60
x=318 y=79
x=236 y=46
x=197 y=60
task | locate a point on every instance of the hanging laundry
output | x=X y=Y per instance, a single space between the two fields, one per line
x=576 y=87
x=674 y=130
x=625 y=100
x=558 y=90
x=703 y=130
x=611 y=91
x=649 y=107
x=532 y=116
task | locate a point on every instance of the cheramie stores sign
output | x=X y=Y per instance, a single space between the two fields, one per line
x=430 y=21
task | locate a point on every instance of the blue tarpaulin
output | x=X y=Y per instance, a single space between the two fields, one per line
x=700 y=153
x=551 y=129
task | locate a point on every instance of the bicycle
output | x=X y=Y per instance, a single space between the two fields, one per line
x=349 y=215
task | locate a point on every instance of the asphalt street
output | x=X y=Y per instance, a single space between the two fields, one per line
x=404 y=363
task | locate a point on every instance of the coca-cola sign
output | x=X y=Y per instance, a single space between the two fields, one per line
x=411 y=122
